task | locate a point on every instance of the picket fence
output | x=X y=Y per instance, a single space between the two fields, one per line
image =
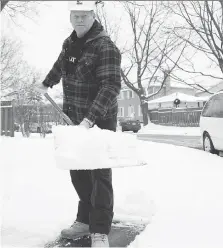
x=182 y=117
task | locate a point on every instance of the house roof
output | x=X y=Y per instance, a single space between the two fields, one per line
x=177 y=95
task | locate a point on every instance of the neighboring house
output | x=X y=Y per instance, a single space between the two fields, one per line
x=129 y=103
x=212 y=89
x=169 y=88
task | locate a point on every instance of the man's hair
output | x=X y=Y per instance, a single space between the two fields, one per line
x=91 y=12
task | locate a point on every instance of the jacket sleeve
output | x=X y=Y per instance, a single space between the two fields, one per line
x=55 y=74
x=108 y=75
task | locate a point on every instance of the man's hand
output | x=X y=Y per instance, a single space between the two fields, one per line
x=86 y=123
x=40 y=88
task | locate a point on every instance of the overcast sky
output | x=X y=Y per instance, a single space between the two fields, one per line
x=43 y=38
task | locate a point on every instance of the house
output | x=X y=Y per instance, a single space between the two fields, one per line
x=129 y=102
x=169 y=88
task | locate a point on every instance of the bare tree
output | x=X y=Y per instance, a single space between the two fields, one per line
x=15 y=73
x=28 y=102
x=17 y=82
x=3 y=4
x=11 y=63
x=14 y=9
x=204 y=19
x=102 y=17
x=153 y=53
x=150 y=52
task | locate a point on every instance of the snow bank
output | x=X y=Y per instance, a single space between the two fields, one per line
x=169 y=130
x=187 y=188
x=38 y=199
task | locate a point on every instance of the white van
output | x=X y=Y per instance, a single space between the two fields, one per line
x=211 y=124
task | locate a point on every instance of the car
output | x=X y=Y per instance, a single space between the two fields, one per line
x=130 y=125
x=211 y=124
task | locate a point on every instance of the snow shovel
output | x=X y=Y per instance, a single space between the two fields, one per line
x=72 y=138
x=59 y=110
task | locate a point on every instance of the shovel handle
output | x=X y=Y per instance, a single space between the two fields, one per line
x=59 y=110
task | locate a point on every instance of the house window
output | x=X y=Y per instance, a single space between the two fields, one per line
x=140 y=110
x=131 y=112
x=127 y=94
x=121 y=112
x=121 y=95
x=130 y=94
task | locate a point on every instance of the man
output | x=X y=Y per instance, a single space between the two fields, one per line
x=89 y=66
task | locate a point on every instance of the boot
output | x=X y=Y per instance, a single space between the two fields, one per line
x=99 y=240
x=77 y=230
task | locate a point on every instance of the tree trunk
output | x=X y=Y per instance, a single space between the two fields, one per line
x=145 y=114
x=3 y=3
x=25 y=129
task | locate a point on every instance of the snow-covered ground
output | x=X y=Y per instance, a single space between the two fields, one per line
x=179 y=193
x=169 y=130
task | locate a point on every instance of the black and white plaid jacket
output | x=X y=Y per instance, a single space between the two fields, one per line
x=92 y=86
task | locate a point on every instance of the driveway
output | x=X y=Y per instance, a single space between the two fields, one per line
x=180 y=140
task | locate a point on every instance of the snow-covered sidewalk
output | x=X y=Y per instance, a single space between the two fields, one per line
x=169 y=130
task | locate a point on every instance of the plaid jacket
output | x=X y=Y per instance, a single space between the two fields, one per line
x=92 y=86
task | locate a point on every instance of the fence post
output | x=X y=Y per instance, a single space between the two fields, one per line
x=7 y=118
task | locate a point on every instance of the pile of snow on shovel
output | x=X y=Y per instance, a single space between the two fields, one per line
x=79 y=148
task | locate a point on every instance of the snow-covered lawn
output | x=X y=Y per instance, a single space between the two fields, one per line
x=179 y=193
x=170 y=130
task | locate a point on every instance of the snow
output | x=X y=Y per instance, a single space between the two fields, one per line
x=203 y=98
x=178 y=95
x=72 y=143
x=179 y=194
x=169 y=130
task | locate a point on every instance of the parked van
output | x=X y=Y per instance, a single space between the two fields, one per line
x=211 y=124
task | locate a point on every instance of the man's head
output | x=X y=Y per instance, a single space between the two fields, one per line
x=82 y=16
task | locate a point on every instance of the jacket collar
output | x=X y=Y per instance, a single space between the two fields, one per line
x=95 y=32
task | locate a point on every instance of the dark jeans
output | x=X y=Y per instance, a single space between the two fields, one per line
x=95 y=191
